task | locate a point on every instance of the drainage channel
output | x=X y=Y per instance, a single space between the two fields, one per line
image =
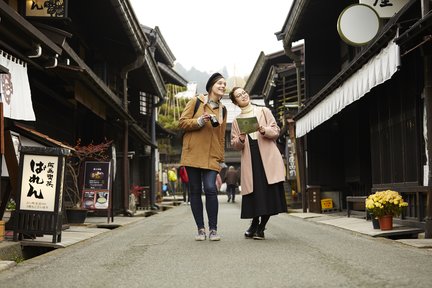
x=32 y=247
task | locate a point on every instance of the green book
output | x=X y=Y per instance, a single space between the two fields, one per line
x=248 y=125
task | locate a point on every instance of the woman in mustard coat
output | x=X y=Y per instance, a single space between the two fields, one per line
x=204 y=124
x=262 y=178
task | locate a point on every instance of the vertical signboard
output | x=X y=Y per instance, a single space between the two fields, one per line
x=97 y=185
x=291 y=163
x=39 y=182
x=40 y=192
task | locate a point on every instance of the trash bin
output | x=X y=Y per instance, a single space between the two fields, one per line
x=314 y=198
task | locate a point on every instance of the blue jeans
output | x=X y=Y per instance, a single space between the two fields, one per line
x=199 y=179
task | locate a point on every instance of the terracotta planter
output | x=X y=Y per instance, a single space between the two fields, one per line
x=386 y=222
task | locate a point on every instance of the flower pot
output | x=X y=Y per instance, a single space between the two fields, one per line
x=375 y=223
x=386 y=222
x=76 y=216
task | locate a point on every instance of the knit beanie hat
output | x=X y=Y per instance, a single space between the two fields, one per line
x=212 y=80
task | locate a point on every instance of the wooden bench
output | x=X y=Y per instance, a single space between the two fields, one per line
x=415 y=195
x=355 y=199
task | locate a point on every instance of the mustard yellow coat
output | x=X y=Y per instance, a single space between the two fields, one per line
x=203 y=147
x=271 y=157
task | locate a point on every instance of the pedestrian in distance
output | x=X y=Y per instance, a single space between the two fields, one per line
x=165 y=189
x=172 y=180
x=184 y=179
x=232 y=180
x=218 y=182
x=262 y=167
x=203 y=152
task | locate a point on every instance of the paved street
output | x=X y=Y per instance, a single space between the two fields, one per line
x=160 y=251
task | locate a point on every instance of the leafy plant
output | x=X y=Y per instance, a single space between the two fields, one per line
x=137 y=191
x=11 y=205
x=169 y=112
x=74 y=164
x=18 y=259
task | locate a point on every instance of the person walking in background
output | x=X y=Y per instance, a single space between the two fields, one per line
x=232 y=181
x=218 y=182
x=262 y=167
x=184 y=179
x=165 y=183
x=172 y=180
x=203 y=152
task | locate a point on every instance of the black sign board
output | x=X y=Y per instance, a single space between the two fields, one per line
x=97 y=175
x=96 y=192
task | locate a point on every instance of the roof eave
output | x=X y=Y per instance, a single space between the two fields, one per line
x=255 y=72
x=291 y=23
x=175 y=78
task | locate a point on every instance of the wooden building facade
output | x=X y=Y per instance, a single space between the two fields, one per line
x=361 y=127
x=94 y=74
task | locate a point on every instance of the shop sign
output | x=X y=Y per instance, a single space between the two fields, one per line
x=291 y=161
x=97 y=175
x=385 y=8
x=46 y=8
x=40 y=193
x=97 y=185
x=39 y=183
x=358 y=24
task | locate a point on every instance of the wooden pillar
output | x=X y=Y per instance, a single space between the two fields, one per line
x=428 y=105
x=427 y=64
x=291 y=127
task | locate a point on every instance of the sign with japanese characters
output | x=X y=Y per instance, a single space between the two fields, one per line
x=97 y=185
x=46 y=8
x=40 y=192
x=291 y=161
x=385 y=8
x=38 y=185
x=96 y=175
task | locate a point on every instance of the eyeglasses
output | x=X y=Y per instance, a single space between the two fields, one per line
x=243 y=93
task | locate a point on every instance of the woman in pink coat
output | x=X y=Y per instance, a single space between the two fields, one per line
x=262 y=178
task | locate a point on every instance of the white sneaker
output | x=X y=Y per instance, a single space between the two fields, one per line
x=213 y=236
x=201 y=236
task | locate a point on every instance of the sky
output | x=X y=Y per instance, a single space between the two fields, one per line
x=210 y=35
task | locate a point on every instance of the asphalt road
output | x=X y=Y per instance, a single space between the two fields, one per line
x=160 y=251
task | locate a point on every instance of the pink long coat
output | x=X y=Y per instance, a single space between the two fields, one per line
x=272 y=159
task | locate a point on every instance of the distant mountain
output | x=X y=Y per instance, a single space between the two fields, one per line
x=194 y=75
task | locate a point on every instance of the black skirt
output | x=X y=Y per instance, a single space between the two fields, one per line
x=265 y=199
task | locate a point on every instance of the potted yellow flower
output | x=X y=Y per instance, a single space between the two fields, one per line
x=385 y=205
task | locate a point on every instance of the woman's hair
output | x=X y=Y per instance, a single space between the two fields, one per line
x=231 y=94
